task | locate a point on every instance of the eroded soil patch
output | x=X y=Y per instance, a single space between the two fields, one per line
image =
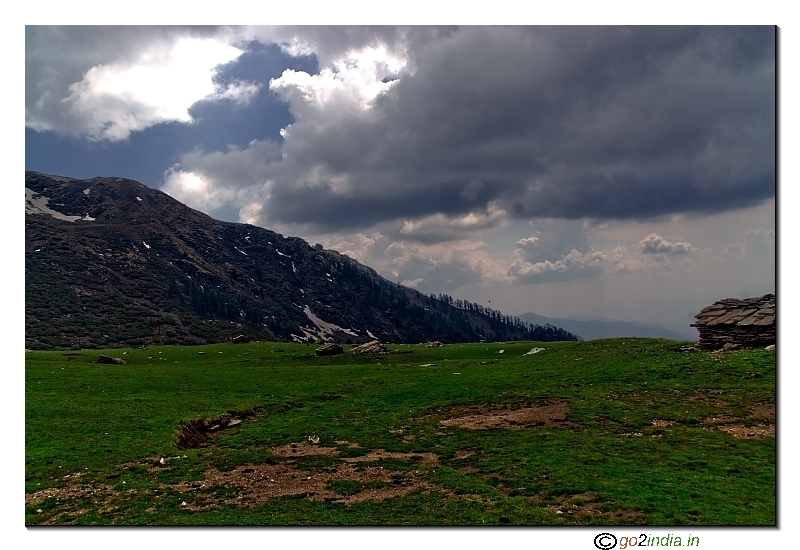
x=195 y=433
x=478 y=417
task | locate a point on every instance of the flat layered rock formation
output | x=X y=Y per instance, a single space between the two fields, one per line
x=732 y=324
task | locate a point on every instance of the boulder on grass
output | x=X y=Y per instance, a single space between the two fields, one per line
x=434 y=344
x=369 y=347
x=329 y=349
x=241 y=339
x=106 y=360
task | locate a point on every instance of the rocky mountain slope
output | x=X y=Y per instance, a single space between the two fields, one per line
x=112 y=262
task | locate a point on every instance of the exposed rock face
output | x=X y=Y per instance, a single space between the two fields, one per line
x=731 y=323
x=329 y=349
x=369 y=347
x=105 y=359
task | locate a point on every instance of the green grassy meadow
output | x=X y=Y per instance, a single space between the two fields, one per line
x=653 y=436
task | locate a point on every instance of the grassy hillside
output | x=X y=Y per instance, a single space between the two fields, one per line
x=623 y=431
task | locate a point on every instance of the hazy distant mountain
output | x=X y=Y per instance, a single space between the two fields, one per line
x=109 y=262
x=590 y=327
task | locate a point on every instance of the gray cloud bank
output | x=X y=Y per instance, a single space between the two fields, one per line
x=406 y=123
x=606 y=123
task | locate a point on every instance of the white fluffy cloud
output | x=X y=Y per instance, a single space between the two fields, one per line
x=656 y=244
x=158 y=84
x=440 y=228
x=539 y=266
x=344 y=89
x=573 y=265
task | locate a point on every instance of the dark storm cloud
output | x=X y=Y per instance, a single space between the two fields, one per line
x=322 y=205
x=551 y=122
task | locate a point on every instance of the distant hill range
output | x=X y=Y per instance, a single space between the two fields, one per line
x=591 y=328
x=112 y=262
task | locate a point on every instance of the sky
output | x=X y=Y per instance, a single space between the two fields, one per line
x=625 y=172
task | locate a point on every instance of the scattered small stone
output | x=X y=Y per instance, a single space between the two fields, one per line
x=38 y=510
x=201 y=353
x=313 y=439
x=770 y=347
x=183 y=504
x=501 y=351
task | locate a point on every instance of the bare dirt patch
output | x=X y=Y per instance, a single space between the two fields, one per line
x=585 y=506
x=304 y=448
x=662 y=423
x=69 y=492
x=257 y=483
x=424 y=460
x=709 y=397
x=757 y=424
x=348 y=444
x=552 y=414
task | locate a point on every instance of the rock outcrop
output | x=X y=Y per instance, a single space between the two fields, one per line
x=369 y=347
x=329 y=349
x=732 y=324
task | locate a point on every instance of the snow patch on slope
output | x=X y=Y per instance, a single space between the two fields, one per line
x=321 y=331
x=38 y=205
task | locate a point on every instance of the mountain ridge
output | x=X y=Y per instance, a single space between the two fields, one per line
x=591 y=327
x=112 y=262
